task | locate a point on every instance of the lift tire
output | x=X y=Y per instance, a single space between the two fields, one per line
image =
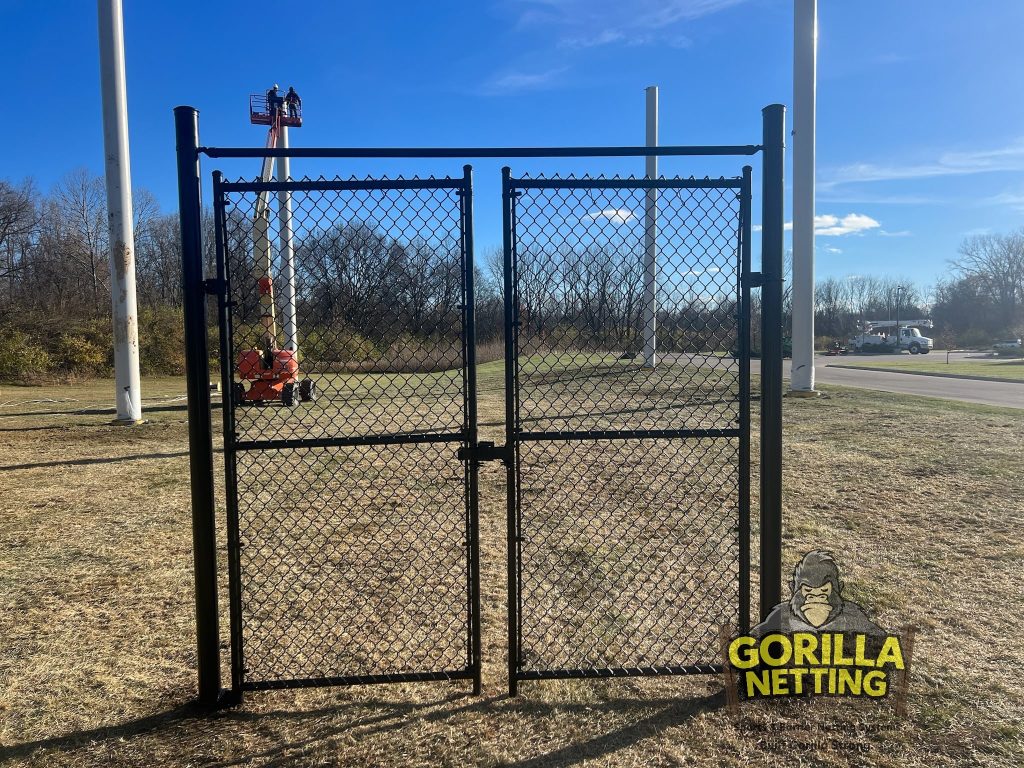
x=307 y=391
x=237 y=393
x=288 y=395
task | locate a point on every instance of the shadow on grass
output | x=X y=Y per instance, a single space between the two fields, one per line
x=392 y=716
x=103 y=460
x=108 y=411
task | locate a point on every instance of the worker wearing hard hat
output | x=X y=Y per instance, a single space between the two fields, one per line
x=274 y=101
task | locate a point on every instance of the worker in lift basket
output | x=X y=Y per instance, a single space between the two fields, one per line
x=293 y=101
x=274 y=101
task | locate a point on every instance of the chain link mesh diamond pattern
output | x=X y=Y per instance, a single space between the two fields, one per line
x=628 y=464
x=348 y=409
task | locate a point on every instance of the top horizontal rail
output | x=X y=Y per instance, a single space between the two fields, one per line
x=613 y=183
x=473 y=152
x=309 y=185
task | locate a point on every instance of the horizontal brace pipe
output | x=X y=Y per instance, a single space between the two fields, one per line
x=322 y=682
x=570 y=674
x=470 y=152
x=626 y=434
x=342 y=442
x=340 y=184
x=725 y=183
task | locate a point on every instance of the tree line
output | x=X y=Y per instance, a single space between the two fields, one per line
x=361 y=290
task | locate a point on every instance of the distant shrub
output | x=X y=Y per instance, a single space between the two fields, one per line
x=162 y=341
x=78 y=355
x=973 y=338
x=20 y=359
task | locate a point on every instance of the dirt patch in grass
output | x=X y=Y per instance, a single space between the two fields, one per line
x=921 y=500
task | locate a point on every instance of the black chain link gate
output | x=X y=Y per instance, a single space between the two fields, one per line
x=347 y=353
x=627 y=380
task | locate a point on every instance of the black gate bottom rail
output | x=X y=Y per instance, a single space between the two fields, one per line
x=604 y=672
x=324 y=682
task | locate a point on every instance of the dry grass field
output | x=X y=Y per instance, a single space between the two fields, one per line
x=921 y=500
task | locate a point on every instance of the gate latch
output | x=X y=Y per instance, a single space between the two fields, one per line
x=213 y=286
x=755 y=279
x=486 y=450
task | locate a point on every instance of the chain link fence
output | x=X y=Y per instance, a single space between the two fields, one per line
x=630 y=409
x=345 y=328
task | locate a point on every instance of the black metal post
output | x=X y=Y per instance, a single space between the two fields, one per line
x=228 y=414
x=511 y=312
x=772 y=223
x=743 y=349
x=200 y=433
x=473 y=465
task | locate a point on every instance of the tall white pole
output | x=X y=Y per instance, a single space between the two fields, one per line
x=805 y=64
x=284 y=205
x=650 y=313
x=128 y=391
x=805 y=55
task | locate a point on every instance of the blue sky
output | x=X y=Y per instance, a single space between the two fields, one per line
x=920 y=118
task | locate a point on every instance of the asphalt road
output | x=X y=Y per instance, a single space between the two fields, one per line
x=1006 y=394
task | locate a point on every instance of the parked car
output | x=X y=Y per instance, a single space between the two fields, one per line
x=1007 y=346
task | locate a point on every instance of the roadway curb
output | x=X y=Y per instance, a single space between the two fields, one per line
x=926 y=373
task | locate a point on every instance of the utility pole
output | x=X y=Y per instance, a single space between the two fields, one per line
x=284 y=204
x=805 y=64
x=128 y=390
x=898 y=340
x=650 y=314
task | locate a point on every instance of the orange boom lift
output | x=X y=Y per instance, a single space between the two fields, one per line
x=272 y=371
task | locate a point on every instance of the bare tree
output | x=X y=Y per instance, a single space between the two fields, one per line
x=997 y=263
x=19 y=219
x=82 y=206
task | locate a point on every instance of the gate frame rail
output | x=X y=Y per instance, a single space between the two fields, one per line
x=197 y=287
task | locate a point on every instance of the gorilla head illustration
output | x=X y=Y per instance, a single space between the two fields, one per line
x=817 y=603
x=816 y=588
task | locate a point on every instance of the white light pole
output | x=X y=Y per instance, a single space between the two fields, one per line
x=650 y=313
x=805 y=63
x=284 y=204
x=128 y=391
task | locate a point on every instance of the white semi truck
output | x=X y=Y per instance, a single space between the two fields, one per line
x=895 y=335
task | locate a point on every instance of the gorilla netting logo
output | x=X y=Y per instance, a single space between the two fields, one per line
x=817 y=643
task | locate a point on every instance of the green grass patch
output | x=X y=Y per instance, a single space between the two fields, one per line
x=1012 y=370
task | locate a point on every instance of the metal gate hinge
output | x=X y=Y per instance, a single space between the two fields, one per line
x=486 y=450
x=755 y=279
x=213 y=286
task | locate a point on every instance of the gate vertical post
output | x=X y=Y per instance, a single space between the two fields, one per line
x=200 y=432
x=473 y=466
x=772 y=222
x=743 y=348
x=511 y=396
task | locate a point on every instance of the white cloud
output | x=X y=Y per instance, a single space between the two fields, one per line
x=829 y=225
x=614 y=215
x=1014 y=200
x=592 y=23
x=1008 y=158
x=901 y=233
x=833 y=226
x=699 y=272
x=832 y=249
x=522 y=81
